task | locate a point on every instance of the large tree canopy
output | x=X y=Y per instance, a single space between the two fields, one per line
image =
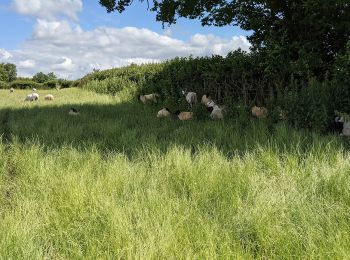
x=8 y=72
x=313 y=31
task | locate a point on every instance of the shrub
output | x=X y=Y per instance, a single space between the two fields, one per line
x=25 y=84
x=51 y=84
x=4 y=85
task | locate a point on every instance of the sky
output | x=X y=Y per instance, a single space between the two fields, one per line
x=73 y=37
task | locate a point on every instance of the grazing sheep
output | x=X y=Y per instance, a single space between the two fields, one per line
x=32 y=97
x=346 y=129
x=34 y=89
x=207 y=101
x=215 y=112
x=49 y=97
x=165 y=112
x=73 y=112
x=259 y=112
x=183 y=116
x=148 y=98
x=191 y=97
x=12 y=90
x=342 y=126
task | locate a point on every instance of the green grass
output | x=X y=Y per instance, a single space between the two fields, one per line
x=116 y=182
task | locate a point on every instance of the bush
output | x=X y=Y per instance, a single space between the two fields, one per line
x=63 y=83
x=25 y=84
x=239 y=81
x=4 y=85
x=51 y=84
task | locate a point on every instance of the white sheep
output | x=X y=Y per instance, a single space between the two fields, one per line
x=207 y=101
x=165 y=112
x=215 y=112
x=346 y=129
x=191 y=97
x=148 y=98
x=49 y=97
x=183 y=116
x=12 y=90
x=32 y=97
x=259 y=112
x=73 y=112
x=34 y=89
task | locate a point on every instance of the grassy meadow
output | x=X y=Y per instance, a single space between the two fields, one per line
x=117 y=182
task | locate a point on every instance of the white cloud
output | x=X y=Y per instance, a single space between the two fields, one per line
x=65 y=64
x=26 y=64
x=49 y=9
x=4 y=55
x=71 y=52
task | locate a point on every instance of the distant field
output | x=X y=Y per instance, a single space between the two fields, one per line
x=116 y=182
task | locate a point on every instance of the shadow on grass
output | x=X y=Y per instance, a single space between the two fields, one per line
x=132 y=127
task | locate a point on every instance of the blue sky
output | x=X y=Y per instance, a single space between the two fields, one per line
x=43 y=35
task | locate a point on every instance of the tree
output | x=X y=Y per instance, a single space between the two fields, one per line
x=3 y=74
x=51 y=76
x=303 y=32
x=11 y=71
x=40 y=77
x=8 y=72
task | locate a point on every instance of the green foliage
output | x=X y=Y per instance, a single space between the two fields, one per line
x=51 y=84
x=41 y=77
x=117 y=182
x=63 y=83
x=8 y=72
x=3 y=85
x=308 y=106
x=238 y=80
x=25 y=84
x=299 y=34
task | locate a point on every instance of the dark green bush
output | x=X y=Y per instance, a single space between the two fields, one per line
x=51 y=84
x=4 y=85
x=239 y=81
x=25 y=84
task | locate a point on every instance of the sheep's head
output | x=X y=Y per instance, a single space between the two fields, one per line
x=177 y=112
x=210 y=109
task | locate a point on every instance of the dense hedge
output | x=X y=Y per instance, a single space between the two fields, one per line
x=27 y=83
x=24 y=84
x=240 y=78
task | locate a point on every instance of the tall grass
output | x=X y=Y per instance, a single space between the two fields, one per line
x=116 y=182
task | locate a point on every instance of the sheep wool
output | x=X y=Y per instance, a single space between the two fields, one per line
x=205 y=99
x=216 y=113
x=259 y=112
x=184 y=116
x=150 y=97
x=12 y=90
x=32 y=97
x=346 y=129
x=163 y=113
x=73 y=112
x=49 y=97
x=191 y=97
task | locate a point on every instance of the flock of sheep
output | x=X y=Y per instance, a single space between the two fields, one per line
x=216 y=112
x=340 y=125
x=49 y=97
x=35 y=96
